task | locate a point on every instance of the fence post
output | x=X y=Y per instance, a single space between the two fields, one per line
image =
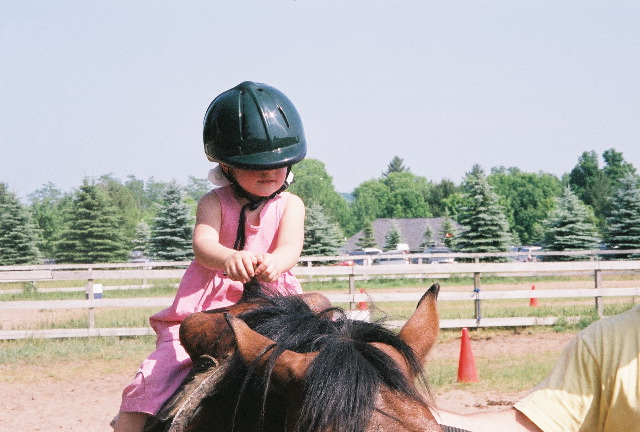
x=598 y=284
x=476 y=293
x=90 y=297
x=352 y=290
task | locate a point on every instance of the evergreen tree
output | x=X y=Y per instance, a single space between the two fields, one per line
x=624 y=223
x=392 y=239
x=427 y=237
x=367 y=240
x=448 y=232
x=570 y=226
x=93 y=229
x=18 y=238
x=142 y=238
x=485 y=226
x=172 y=229
x=395 y=166
x=321 y=236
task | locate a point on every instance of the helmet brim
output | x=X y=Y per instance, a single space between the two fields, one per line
x=273 y=159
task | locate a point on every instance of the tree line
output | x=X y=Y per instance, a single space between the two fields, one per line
x=106 y=219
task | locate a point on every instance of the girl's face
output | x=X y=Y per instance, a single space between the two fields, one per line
x=260 y=183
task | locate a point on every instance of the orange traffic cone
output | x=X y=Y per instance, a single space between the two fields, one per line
x=362 y=313
x=533 y=301
x=363 y=305
x=467 y=371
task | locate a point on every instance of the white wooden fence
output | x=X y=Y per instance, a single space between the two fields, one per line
x=350 y=274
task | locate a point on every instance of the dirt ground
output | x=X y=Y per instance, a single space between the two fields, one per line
x=85 y=397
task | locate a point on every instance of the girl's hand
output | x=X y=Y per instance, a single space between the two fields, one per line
x=268 y=268
x=239 y=266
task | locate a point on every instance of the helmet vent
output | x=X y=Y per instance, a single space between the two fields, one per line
x=284 y=116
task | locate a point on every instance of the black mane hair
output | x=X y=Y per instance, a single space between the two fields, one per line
x=341 y=385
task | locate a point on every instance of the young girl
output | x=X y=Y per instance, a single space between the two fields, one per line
x=248 y=227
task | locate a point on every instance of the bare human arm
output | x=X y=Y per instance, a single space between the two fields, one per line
x=510 y=420
x=238 y=265
x=243 y=265
x=288 y=244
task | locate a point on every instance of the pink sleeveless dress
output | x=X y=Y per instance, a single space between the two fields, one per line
x=202 y=289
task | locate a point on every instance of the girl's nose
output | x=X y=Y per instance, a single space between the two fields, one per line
x=268 y=173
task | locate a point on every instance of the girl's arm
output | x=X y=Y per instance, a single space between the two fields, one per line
x=288 y=243
x=206 y=243
x=510 y=420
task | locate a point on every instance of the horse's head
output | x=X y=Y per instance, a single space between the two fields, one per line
x=359 y=379
x=208 y=333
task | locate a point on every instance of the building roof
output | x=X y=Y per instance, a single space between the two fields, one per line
x=411 y=232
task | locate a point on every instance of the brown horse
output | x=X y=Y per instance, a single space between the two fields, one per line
x=292 y=364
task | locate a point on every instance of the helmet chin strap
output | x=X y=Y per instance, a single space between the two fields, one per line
x=254 y=203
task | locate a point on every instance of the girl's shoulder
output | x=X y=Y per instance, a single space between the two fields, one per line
x=224 y=195
x=293 y=204
x=290 y=199
x=212 y=195
x=209 y=200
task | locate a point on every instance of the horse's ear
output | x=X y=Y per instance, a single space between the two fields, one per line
x=254 y=349
x=421 y=330
x=317 y=302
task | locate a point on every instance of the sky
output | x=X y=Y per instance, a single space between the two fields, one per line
x=121 y=87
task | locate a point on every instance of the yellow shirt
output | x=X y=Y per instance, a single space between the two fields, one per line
x=595 y=385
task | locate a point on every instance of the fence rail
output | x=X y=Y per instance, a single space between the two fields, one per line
x=351 y=274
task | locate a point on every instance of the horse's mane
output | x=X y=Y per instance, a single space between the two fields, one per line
x=340 y=387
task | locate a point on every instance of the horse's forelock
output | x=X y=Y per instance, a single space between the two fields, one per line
x=347 y=364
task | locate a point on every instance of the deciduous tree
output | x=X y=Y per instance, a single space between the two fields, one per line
x=48 y=206
x=315 y=187
x=527 y=199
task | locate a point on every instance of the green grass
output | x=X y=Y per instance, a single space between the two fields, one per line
x=510 y=373
x=50 y=351
x=30 y=293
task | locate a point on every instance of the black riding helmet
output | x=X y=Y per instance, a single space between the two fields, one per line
x=253 y=126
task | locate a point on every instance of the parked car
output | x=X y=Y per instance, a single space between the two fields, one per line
x=367 y=256
x=345 y=263
x=391 y=258
x=439 y=259
x=139 y=257
x=530 y=257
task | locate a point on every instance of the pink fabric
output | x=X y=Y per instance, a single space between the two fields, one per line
x=202 y=289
